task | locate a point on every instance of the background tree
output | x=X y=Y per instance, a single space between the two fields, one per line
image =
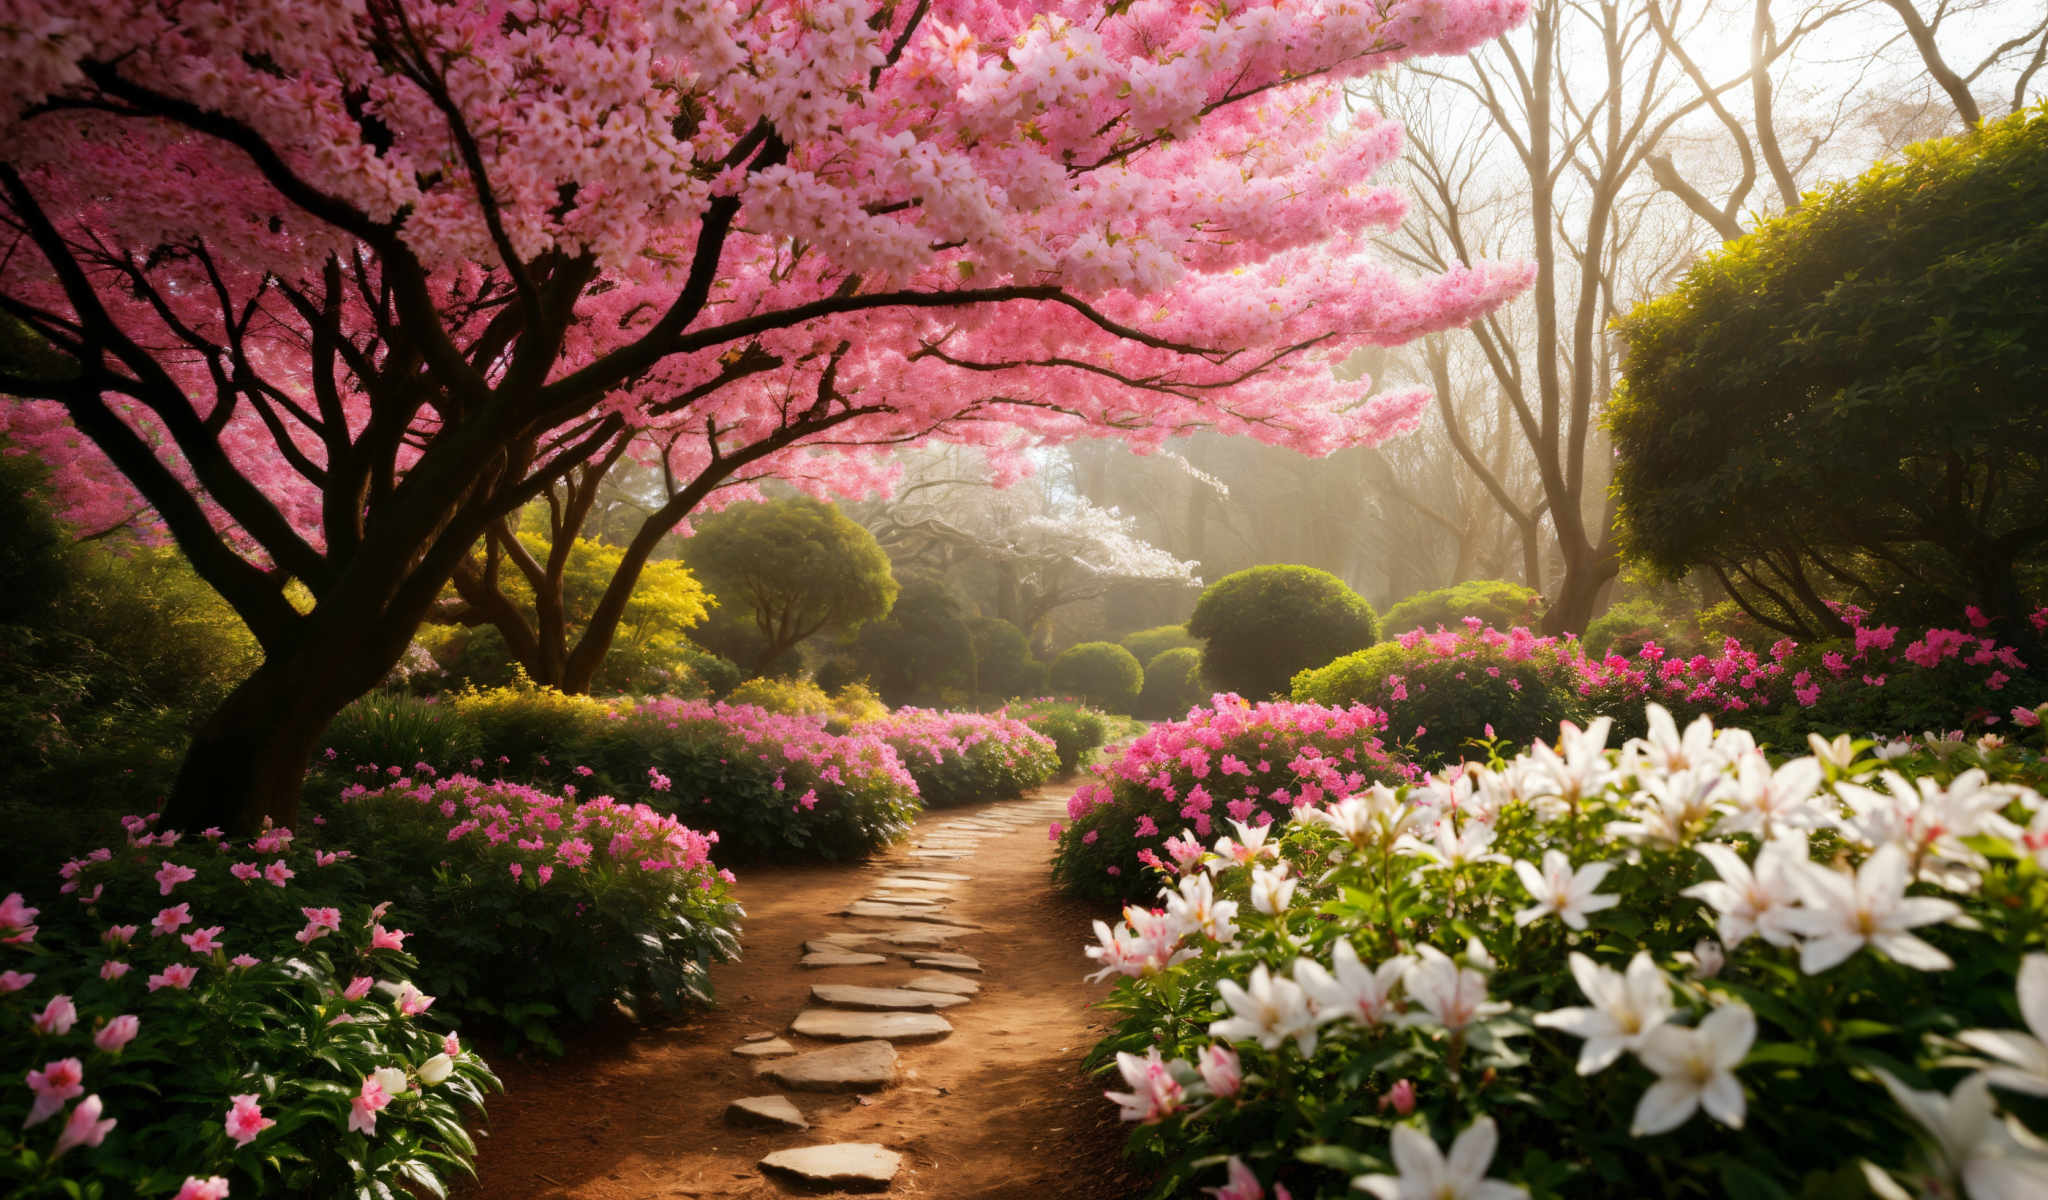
x=1173 y=684
x=1848 y=399
x=1260 y=626
x=921 y=649
x=337 y=288
x=795 y=568
x=1004 y=666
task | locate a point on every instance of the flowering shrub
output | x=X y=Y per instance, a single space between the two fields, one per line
x=537 y=910
x=963 y=758
x=1673 y=969
x=770 y=785
x=195 y=1016
x=392 y=727
x=1076 y=730
x=1232 y=761
x=1877 y=679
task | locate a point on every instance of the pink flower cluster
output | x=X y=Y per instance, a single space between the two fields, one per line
x=797 y=748
x=934 y=736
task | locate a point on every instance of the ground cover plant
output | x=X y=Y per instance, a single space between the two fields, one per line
x=966 y=758
x=191 y=1014
x=1230 y=761
x=1675 y=967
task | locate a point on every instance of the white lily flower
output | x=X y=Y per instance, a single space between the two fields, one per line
x=1250 y=846
x=1426 y=1173
x=1158 y=1087
x=1838 y=753
x=1354 y=992
x=1671 y=810
x=1272 y=887
x=1976 y=1149
x=1764 y=901
x=1194 y=906
x=1665 y=750
x=1626 y=1009
x=1451 y=995
x=1453 y=845
x=1929 y=822
x=1558 y=779
x=1843 y=913
x=2025 y=1056
x=1561 y=891
x=1266 y=1010
x=1767 y=800
x=1695 y=1069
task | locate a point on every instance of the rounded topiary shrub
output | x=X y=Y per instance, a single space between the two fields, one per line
x=1443 y=690
x=1003 y=662
x=1148 y=644
x=1102 y=673
x=1261 y=625
x=1494 y=602
x=1173 y=683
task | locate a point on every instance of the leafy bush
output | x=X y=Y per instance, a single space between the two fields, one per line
x=1445 y=690
x=770 y=785
x=1077 y=731
x=391 y=729
x=1102 y=673
x=1494 y=602
x=1259 y=626
x=922 y=648
x=286 y=1051
x=1173 y=683
x=1003 y=662
x=538 y=911
x=526 y=732
x=794 y=697
x=1563 y=961
x=1148 y=644
x=1246 y=762
x=966 y=758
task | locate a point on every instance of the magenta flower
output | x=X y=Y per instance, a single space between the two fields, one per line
x=245 y=1120
x=213 y=1187
x=57 y=1017
x=451 y=1046
x=170 y=920
x=53 y=1087
x=244 y=961
x=387 y=939
x=358 y=987
x=319 y=923
x=171 y=874
x=277 y=873
x=177 y=975
x=246 y=872
x=117 y=1033
x=83 y=1127
x=203 y=941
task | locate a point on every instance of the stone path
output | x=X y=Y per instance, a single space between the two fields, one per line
x=848 y=1038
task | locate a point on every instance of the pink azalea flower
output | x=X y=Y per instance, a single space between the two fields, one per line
x=83 y=1127
x=244 y=961
x=387 y=939
x=277 y=873
x=203 y=941
x=358 y=987
x=171 y=874
x=517 y=870
x=245 y=1119
x=14 y=981
x=363 y=1110
x=17 y=920
x=119 y=935
x=246 y=872
x=117 y=1033
x=1400 y=1097
x=325 y=858
x=319 y=923
x=170 y=920
x=544 y=873
x=1220 y=1070
x=412 y=1002
x=57 y=1017
x=54 y=1086
x=213 y=1187
x=113 y=969
x=177 y=975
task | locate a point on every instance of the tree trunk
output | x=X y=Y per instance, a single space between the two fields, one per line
x=1586 y=571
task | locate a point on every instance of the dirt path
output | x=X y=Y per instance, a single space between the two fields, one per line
x=997 y=1109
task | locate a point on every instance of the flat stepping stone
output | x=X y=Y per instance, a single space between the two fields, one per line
x=938 y=855
x=769 y=1048
x=765 y=1112
x=857 y=1067
x=910 y=883
x=933 y=876
x=920 y=903
x=840 y=941
x=846 y=995
x=824 y=946
x=936 y=981
x=929 y=937
x=839 y=958
x=947 y=962
x=839 y=1025
x=900 y=912
x=845 y=1166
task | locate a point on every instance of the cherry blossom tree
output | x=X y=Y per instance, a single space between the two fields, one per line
x=335 y=285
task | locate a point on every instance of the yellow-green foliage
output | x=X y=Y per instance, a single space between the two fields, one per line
x=796 y=697
x=513 y=724
x=857 y=702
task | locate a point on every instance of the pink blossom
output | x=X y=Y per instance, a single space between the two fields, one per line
x=14 y=981
x=387 y=939
x=171 y=874
x=358 y=987
x=117 y=1033
x=451 y=1046
x=119 y=935
x=57 y=1017
x=244 y=961
x=203 y=941
x=245 y=1119
x=327 y=858
x=170 y=920
x=277 y=873
x=213 y=1187
x=2025 y=716
x=1401 y=1097
x=411 y=1001
x=543 y=873
x=246 y=872
x=113 y=969
x=1244 y=1185
x=517 y=870
x=1976 y=616
x=54 y=1086
x=177 y=975
x=83 y=1127
x=363 y=1109
x=319 y=923
x=1220 y=1070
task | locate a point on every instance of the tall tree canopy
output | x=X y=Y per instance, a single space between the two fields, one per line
x=1849 y=400
x=338 y=285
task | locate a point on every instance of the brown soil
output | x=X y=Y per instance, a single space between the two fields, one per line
x=998 y=1109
